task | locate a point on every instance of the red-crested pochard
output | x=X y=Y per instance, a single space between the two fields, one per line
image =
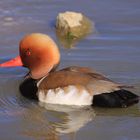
x=70 y=86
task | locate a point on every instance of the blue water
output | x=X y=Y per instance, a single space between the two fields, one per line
x=113 y=50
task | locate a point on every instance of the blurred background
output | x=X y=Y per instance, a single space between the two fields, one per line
x=112 y=48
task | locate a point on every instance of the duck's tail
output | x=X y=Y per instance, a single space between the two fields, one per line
x=120 y=98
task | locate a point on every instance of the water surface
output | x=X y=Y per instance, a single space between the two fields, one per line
x=113 y=50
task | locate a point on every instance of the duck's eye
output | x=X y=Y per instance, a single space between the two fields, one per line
x=28 y=52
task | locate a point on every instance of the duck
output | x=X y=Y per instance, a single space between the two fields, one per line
x=74 y=85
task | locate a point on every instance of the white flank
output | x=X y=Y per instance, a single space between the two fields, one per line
x=69 y=96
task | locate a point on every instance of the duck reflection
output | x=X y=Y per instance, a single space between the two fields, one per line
x=69 y=119
x=53 y=121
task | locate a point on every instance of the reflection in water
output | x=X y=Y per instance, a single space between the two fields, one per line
x=37 y=125
x=73 y=118
x=56 y=121
x=129 y=112
x=67 y=41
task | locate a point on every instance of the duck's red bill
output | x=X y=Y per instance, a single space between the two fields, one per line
x=13 y=62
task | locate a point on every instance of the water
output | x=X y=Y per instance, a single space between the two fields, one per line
x=113 y=50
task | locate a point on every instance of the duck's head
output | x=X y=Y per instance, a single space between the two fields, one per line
x=39 y=53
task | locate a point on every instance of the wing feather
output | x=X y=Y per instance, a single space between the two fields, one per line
x=94 y=82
